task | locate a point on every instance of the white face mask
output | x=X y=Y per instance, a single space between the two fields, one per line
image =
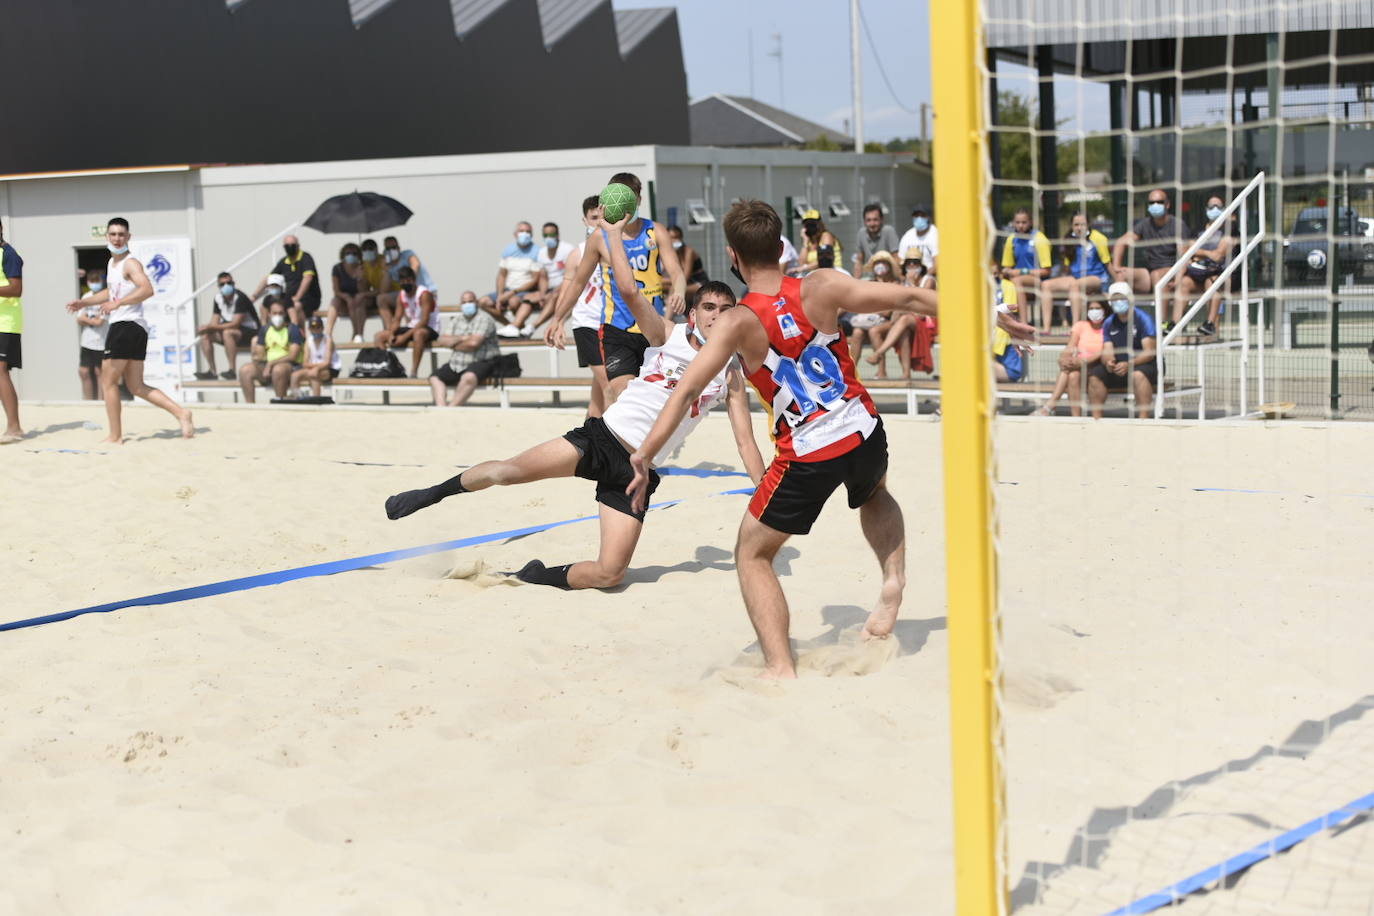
x=677 y=243
x=1095 y=315
x=879 y=270
x=701 y=338
x=278 y=320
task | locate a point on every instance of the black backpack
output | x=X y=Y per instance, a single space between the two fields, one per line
x=374 y=362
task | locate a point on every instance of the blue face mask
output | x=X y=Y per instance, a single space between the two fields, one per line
x=96 y=286
x=1213 y=213
x=523 y=238
x=1156 y=210
x=350 y=259
x=1120 y=306
x=701 y=338
x=920 y=224
x=469 y=309
x=369 y=256
x=227 y=290
x=114 y=250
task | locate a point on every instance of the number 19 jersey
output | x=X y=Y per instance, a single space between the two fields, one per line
x=817 y=407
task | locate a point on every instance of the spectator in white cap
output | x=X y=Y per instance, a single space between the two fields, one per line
x=1128 y=355
x=274 y=285
x=922 y=243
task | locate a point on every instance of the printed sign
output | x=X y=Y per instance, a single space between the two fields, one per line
x=171 y=320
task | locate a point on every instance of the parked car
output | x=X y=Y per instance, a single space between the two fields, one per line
x=1307 y=250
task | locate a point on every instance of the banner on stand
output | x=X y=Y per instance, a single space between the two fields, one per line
x=171 y=318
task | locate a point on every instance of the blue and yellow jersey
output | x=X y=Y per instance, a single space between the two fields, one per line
x=1008 y=355
x=642 y=253
x=11 y=308
x=1031 y=253
x=1091 y=257
x=1005 y=294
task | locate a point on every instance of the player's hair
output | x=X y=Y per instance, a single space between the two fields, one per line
x=714 y=287
x=628 y=180
x=547 y=225
x=347 y=247
x=873 y=208
x=220 y=276
x=404 y=272
x=391 y=238
x=369 y=245
x=274 y=300
x=676 y=228
x=754 y=230
x=590 y=203
x=117 y=221
x=1020 y=210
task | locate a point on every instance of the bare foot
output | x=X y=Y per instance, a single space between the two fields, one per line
x=883 y=618
x=11 y=436
x=872 y=358
x=188 y=429
x=111 y=440
x=779 y=674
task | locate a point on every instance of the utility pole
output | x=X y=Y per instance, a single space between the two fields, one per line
x=856 y=70
x=777 y=52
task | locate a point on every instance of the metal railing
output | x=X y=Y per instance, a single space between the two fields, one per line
x=1239 y=260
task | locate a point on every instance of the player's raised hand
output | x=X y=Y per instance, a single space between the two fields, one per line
x=638 y=490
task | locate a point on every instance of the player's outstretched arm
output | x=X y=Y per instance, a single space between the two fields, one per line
x=672 y=265
x=832 y=289
x=651 y=324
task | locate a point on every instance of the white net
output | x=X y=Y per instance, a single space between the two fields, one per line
x=1183 y=616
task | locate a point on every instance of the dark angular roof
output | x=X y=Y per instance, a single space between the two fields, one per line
x=735 y=120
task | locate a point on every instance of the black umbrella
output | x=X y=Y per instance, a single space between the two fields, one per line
x=361 y=211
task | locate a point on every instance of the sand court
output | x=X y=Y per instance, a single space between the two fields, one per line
x=393 y=739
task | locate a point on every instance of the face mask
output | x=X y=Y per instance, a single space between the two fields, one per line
x=523 y=238
x=920 y=224
x=291 y=250
x=409 y=288
x=274 y=290
x=550 y=241
x=393 y=255
x=677 y=243
x=1213 y=213
x=369 y=256
x=1120 y=306
x=880 y=270
x=226 y=290
x=278 y=320
x=317 y=334
x=738 y=276
x=114 y=250
x=469 y=309
x=96 y=286
x=1156 y=210
x=701 y=338
x=350 y=259
x=810 y=226
x=1095 y=315
x=589 y=232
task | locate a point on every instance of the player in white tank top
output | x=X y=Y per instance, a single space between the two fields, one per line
x=586 y=312
x=599 y=450
x=126 y=342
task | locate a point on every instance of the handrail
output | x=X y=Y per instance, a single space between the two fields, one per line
x=1239 y=259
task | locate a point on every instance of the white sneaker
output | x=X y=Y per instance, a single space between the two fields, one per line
x=357 y=338
x=527 y=331
x=508 y=330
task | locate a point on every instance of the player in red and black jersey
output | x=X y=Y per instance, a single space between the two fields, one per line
x=824 y=424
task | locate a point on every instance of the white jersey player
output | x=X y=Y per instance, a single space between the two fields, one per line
x=600 y=448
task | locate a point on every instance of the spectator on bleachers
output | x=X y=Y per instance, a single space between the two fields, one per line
x=94 y=327
x=1088 y=272
x=1161 y=239
x=234 y=324
x=472 y=335
x=914 y=334
x=553 y=262
x=922 y=243
x=415 y=323
x=517 y=283
x=348 y=283
x=789 y=260
x=276 y=353
x=273 y=287
x=1128 y=355
x=872 y=327
x=322 y=361
x=1026 y=261
x=691 y=262
x=1206 y=266
x=1008 y=359
x=1081 y=353
x=814 y=237
x=395 y=257
x=874 y=236
x=300 y=281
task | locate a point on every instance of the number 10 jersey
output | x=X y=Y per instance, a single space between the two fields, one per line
x=817 y=407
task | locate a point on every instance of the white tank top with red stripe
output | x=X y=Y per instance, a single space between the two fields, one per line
x=587 y=312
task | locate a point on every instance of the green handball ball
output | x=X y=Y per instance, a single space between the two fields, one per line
x=616 y=201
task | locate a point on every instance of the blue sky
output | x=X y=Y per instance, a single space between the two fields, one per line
x=815 y=56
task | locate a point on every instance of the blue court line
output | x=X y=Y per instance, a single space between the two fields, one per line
x=1283 y=841
x=698 y=472
x=244 y=583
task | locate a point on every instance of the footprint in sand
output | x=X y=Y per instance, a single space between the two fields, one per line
x=477 y=572
x=851 y=655
x=1037 y=690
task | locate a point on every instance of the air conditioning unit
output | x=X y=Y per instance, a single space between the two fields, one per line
x=698 y=214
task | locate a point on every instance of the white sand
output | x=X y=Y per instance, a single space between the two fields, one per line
x=393 y=741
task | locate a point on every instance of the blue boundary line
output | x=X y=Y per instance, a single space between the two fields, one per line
x=1174 y=892
x=244 y=583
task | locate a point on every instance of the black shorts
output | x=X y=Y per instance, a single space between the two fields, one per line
x=90 y=359
x=605 y=461
x=482 y=368
x=1116 y=382
x=792 y=493
x=622 y=351
x=588 y=343
x=310 y=308
x=11 y=350
x=428 y=333
x=126 y=340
